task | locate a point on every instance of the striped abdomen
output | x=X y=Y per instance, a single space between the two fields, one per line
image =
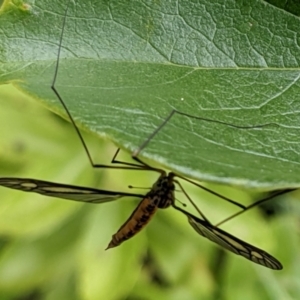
x=138 y=219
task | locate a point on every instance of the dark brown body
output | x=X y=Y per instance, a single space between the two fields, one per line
x=161 y=195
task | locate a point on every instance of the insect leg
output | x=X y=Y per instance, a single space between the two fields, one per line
x=174 y=111
x=211 y=192
x=281 y=192
x=192 y=202
x=126 y=165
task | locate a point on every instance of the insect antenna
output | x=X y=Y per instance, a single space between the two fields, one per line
x=138 y=187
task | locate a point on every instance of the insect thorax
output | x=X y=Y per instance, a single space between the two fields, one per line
x=162 y=192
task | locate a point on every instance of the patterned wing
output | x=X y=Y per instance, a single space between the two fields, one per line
x=233 y=244
x=64 y=191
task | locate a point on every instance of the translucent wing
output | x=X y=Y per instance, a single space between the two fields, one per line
x=65 y=191
x=233 y=244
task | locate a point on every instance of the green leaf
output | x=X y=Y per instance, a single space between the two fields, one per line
x=55 y=248
x=291 y=6
x=126 y=64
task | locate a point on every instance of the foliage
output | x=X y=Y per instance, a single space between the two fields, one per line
x=126 y=65
x=54 y=249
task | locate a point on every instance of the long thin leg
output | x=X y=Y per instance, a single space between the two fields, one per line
x=57 y=93
x=192 y=202
x=141 y=166
x=211 y=191
x=282 y=192
x=135 y=153
x=120 y=162
x=126 y=166
x=174 y=111
x=151 y=136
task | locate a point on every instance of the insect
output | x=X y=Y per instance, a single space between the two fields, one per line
x=161 y=195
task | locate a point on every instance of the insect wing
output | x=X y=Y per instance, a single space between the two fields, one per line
x=65 y=191
x=234 y=244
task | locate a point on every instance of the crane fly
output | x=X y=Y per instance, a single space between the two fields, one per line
x=161 y=195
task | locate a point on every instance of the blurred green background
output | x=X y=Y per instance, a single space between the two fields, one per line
x=54 y=249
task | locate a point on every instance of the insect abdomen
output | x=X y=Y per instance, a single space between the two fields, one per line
x=138 y=219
